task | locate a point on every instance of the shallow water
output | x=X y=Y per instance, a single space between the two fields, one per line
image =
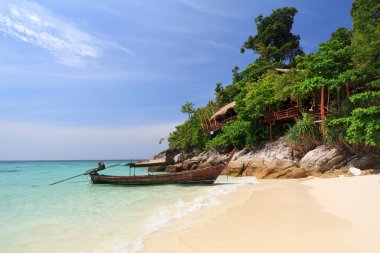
x=77 y=216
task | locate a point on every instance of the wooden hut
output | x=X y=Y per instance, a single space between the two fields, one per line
x=213 y=124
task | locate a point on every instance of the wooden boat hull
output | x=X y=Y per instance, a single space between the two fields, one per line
x=199 y=176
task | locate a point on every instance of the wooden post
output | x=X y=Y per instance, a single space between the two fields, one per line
x=270 y=122
x=337 y=98
x=270 y=130
x=328 y=97
x=208 y=118
x=323 y=110
x=347 y=89
x=213 y=113
x=206 y=122
x=200 y=119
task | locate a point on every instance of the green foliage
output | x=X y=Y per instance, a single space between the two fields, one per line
x=274 y=41
x=351 y=56
x=227 y=95
x=371 y=96
x=259 y=96
x=188 y=108
x=361 y=127
x=219 y=142
x=362 y=124
x=366 y=35
x=234 y=134
x=326 y=65
x=219 y=88
x=304 y=135
x=188 y=137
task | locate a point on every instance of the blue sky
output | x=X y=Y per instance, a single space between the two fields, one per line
x=106 y=79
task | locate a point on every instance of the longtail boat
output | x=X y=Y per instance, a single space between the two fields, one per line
x=205 y=175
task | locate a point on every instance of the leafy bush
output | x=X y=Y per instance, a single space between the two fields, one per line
x=234 y=134
x=188 y=136
x=305 y=134
x=361 y=127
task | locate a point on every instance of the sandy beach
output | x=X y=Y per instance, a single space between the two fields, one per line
x=306 y=215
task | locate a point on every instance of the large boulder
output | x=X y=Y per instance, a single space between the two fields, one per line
x=174 y=168
x=274 y=160
x=322 y=159
x=265 y=168
x=240 y=154
x=187 y=164
x=212 y=152
x=156 y=168
x=234 y=168
x=216 y=159
x=366 y=162
x=167 y=156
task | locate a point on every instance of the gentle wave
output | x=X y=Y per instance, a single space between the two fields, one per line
x=167 y=215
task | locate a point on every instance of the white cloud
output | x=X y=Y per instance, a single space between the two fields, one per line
x=32 y=23
x=31 y=141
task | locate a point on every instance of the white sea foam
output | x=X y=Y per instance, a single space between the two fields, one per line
x=180 y=209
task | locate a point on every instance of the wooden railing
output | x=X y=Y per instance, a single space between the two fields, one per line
x=316 y=113
x=293 y=113
x=290 y=113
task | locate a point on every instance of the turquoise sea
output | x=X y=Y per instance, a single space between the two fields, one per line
x=77 y=216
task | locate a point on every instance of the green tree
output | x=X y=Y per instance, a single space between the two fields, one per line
x=235 y=74
x=366 y=39
x=188 y=136
x=188 y=108
x=326 y=66
x=274 y=41
x=219 y=88
x=234 y=134
x=361 y=125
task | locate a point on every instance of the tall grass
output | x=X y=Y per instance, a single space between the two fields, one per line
x=305 y=134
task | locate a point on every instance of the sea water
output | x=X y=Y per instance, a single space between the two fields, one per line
x=77 y=216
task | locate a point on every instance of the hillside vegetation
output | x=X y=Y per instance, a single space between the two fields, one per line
x=350 y=58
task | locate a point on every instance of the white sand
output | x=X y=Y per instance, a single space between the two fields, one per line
x=308 y=215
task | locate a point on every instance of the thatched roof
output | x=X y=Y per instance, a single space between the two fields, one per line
x=224 y=109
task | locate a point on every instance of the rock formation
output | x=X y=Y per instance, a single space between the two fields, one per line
x=277 y=160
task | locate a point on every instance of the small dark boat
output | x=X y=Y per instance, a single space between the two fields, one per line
x=205 y=175
x=198 y=176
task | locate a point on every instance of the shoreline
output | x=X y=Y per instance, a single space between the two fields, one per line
x=295 y=215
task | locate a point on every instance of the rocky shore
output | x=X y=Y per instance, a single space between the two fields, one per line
x=276 y=160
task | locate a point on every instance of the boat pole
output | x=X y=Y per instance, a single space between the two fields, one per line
x=83 y=174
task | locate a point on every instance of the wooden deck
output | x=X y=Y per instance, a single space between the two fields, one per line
x=293 y=113
x=283 y=115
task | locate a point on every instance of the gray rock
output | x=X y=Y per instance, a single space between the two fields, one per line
x=321 y=159
x=212 y=152
x=365 y=162
x=156 y=168
x=239 y=154
x=174 y=168
x=178 y=158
